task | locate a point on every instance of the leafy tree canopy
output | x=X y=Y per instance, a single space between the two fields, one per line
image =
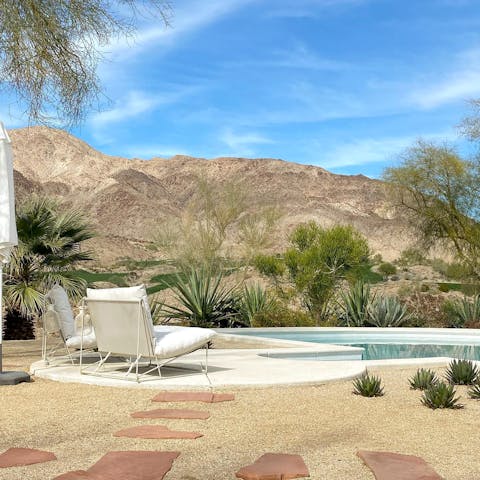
x=50 y=49
x=440 y=194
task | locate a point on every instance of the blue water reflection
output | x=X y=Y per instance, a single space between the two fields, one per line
x=379 y=351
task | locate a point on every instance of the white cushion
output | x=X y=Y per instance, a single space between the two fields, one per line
x=173 y=341
x=59 y=298
x=123 y=293
x=89 y=341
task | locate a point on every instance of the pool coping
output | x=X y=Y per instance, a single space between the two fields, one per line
x=256 y=367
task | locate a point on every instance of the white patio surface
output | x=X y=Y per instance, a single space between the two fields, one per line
x=280 y=362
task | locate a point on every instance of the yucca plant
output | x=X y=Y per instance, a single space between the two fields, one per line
x=423 y=379
x=387 y=312
x=202 y=301
x=355 y=304
x=440 y=395
x=254 y=300
x=474 y=391
x=461 y=372
x=368 y=386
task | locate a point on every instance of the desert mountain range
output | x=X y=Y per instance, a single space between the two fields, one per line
x=127 y=199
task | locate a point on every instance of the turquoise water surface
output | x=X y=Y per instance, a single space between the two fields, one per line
x=379 y=346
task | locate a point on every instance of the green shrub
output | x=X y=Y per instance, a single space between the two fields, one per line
x=282 y=317
x=440 y=395
x=269 y=265
x=423 y=379
x=254 y=300
x=387 y=269
x=387 y=312
x=461 y=372
x=368 y=386
x=474 y=392
x=411 y=256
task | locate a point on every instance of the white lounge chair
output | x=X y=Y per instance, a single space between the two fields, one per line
x=59 y=324
x=123 y=328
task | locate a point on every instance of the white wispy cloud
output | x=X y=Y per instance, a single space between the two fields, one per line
x=243 y=143
x=461 y=83
x=188 y=17
x=373 y=150
x=309 y=8
x=136 y=103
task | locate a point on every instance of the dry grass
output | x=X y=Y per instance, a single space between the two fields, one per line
x=325 y=424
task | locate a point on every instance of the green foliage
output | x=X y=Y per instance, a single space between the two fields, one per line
x=387 y=269
x=282 y=316
x=387 y=312
x=254 y=300
x=439 y=193
x=461 y=372
x=474 y=391
x=269 y=266
x=423 y=379
x=368 y=386
x=118 y=279
x=440 y=395
x=156 y=309
x=355 y=305
x=454 y=271
x=463 y=312
x=410 y=257
x=363 y=273
x=318 y=258
x=49 y=238
x=202 y=301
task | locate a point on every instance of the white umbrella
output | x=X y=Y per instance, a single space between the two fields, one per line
x=8 y=233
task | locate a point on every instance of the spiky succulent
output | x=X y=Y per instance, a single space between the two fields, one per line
x=440 y=395
x=423 y=379
x=474 y=392
x=461 y=372
x=368 y=386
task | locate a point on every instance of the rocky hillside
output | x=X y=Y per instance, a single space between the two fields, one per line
x=127 y=199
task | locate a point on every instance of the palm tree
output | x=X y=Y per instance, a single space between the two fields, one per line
x=48 y=247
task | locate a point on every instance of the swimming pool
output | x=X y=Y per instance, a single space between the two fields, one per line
x=384 y=343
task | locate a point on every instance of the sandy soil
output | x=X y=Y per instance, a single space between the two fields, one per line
x=326 y=424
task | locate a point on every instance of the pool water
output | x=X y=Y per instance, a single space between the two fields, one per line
x=380 y=351
x=379 y=345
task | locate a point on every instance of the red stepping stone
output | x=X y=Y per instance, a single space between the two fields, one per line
x=206 y=397
x=275 y=466
x=155 y=431
x=16 y=457
x=171 y=413
x=394 y=466
x=77 y=475
x=139 y=465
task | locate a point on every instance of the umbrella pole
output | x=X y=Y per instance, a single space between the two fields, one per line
x=1 y=316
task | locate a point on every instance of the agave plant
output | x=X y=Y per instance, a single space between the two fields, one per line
x=202 y=301
x=355 y=304
x=461 y=372
x=368 y=386
x=423 y=379
x=474 y=391
x=254 y=300
x=440 y=395
x=387 y=312
x=465 y=311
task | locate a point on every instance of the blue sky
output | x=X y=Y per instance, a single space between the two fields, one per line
x=342 y=84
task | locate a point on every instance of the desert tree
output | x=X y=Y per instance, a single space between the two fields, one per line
x=50 y=50
x=439 y=193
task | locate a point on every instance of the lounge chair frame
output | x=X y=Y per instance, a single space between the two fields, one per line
x=137 y=325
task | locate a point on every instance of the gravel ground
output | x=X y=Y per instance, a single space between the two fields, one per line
x=326 y=424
